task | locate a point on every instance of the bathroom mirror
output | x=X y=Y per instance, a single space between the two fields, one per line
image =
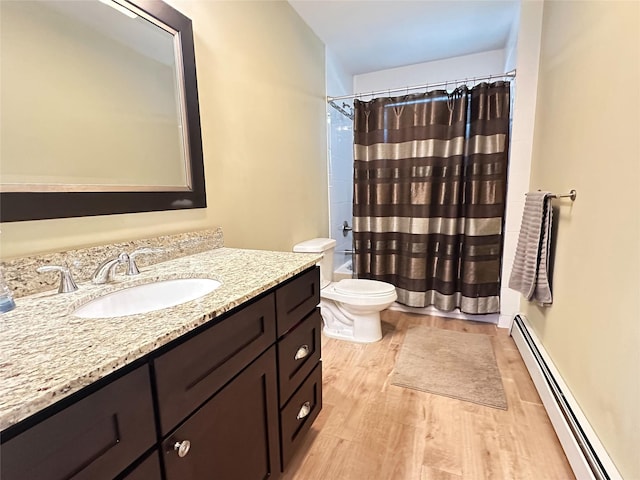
x=99 y=109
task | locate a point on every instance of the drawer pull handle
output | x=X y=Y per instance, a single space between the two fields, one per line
x=182 y=448
x=304 y=410
x=302 y=352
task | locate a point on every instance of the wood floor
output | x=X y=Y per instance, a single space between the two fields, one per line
x=370 y=429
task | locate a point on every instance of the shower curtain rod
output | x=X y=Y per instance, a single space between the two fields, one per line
x=510 y=75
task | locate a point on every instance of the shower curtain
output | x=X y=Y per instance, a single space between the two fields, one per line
x=429 y=195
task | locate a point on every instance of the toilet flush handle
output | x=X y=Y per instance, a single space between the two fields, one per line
x=302 y=352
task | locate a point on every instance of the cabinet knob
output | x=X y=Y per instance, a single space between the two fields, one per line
x=302 y=352
x=304 y=410
x=182 y=448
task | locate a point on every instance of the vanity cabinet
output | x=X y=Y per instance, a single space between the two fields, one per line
x=95 y=438
x=229 y=400
x=187 y=375
x=299 y=365
x=148 y=469
x=234 y=436
x=298 y=354
x=296 y=298
x=252 y=427
x=299 y=413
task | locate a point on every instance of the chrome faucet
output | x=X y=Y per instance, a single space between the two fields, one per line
x=104 y=272
x=66 y=280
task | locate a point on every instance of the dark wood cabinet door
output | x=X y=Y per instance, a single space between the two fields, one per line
x=192 y=372
x=299 y=413
x=234 y=436
x=95 y=438
x=149 y=469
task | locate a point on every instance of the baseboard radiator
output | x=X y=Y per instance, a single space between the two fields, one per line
x=585 y=453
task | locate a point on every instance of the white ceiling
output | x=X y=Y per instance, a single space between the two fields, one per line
x=371 y=35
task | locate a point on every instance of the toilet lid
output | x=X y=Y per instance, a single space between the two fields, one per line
x=369 y=288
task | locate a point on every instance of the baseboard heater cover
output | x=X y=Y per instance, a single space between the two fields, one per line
x=585 y=453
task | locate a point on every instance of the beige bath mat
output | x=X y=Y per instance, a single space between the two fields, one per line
x=453 y=364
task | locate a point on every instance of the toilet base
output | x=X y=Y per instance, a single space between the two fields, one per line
x=347 y=336
x=344 y=325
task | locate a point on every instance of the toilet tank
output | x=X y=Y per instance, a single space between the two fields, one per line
x=325 y=246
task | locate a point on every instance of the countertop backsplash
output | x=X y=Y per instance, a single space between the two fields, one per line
x=23 y=279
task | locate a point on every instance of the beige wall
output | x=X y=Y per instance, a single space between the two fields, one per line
x=587 y=137
x=261 y=86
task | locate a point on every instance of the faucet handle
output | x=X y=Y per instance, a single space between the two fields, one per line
x=67 y=284
x=132 y=268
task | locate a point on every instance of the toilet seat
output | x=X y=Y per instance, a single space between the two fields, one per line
x=360 y=292
x=362 y=287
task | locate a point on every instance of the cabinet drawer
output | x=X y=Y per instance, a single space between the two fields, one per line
x=234 y=436
x=298 y=415
x=298 y=354
x=95 y=438
x=295 y=299
x=189 y=374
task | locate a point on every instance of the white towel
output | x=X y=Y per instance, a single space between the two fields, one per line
x=529 y=275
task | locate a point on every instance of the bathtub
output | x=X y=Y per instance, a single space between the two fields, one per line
x=343 y=271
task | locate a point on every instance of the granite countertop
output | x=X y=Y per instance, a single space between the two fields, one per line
x=47 y=354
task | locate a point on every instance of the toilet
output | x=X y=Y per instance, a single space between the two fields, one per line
x=350 y=308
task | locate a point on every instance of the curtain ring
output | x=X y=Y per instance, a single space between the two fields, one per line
x=449 y=96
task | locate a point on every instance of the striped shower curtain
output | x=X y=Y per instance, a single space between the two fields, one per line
x=429 y=195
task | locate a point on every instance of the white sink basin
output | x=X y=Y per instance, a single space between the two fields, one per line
x=147 y=298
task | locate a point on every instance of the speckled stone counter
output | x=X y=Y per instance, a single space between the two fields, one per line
x=23 y=278
x=46 y=353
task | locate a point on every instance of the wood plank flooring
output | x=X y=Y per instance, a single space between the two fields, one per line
x=370 y=429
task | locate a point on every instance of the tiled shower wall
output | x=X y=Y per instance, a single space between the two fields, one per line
x=340 y=181
x=340 y=139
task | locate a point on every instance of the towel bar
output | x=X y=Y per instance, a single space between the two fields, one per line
x=572 y=195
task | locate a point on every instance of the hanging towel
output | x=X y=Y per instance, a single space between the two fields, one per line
x=529 y=275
